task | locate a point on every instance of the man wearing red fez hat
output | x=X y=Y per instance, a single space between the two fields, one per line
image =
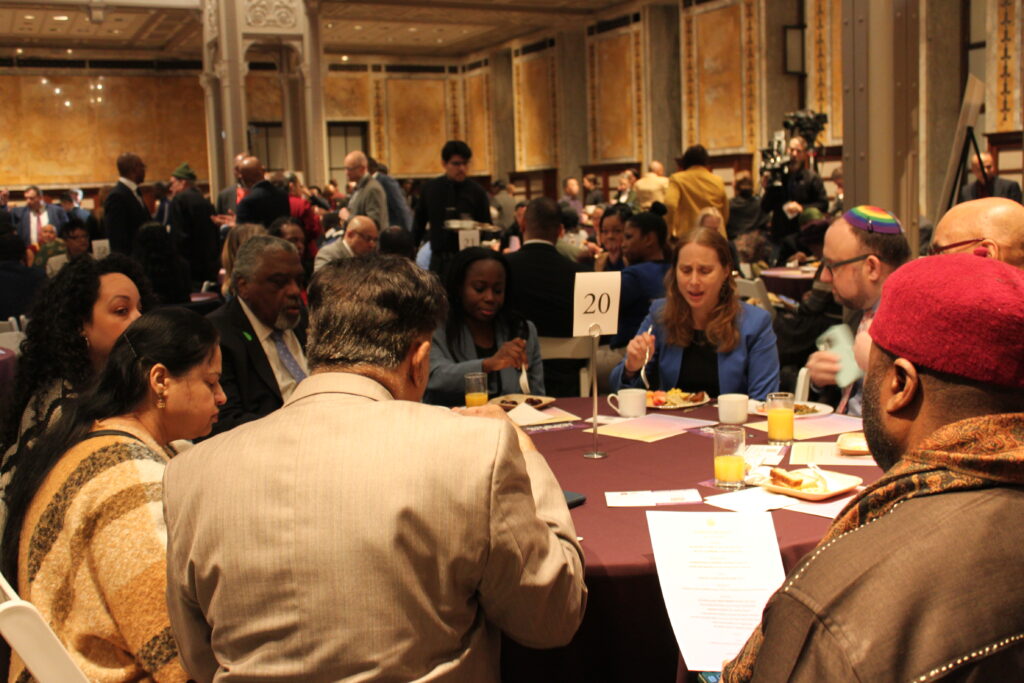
x=861 y=250
x=994 y=225
x=918 y=578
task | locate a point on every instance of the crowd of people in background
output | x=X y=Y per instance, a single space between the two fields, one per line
x=268 y=320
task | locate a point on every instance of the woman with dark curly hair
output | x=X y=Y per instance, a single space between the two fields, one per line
x=167 y=271
x=72 y=327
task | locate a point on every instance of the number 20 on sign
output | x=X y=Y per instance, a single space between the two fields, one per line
x=596 y=300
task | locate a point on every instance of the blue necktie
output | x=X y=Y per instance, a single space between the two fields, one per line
x=286 y=356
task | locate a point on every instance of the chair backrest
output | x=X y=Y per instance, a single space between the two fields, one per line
x=803 y=385
x=23 y=322
x=24 y=629
x=9 y=325
x=12 y=340
x=756 y=292
x=570 y=347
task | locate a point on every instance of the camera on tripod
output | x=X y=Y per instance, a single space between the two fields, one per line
x=805 y=123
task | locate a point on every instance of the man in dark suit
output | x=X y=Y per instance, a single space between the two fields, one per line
x=36 y=213
x=541 y=289
x=192 y=226
x=264 y=202
x=71 y=202
x=228 y=198
x=988 y=184
x=262 y=331
x=123 y=209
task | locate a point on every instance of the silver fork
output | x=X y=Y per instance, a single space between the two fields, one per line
x=647 y=357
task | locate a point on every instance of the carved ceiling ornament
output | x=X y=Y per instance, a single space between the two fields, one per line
x=265 y=14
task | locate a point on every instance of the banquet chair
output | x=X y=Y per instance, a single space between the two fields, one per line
x=803 y=385
x=756 y=291
x=12 y=340
x=23 y=322
x=570 y=347
x=28 y=634
x=9 y=325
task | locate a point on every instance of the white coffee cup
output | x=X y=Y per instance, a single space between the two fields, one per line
x=732 y=409
x=629 y=402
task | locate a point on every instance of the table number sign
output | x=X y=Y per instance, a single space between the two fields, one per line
x=469 y=238
x=596 y=301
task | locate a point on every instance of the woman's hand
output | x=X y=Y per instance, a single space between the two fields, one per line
x=512 y=354
x=639 y=347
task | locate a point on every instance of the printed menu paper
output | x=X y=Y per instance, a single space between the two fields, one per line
x=717 y=571
x=651 y=427
x=826 y=425
x=753 y=499
x=759 y=454
x=645 y=499
x=526 y=415
x=825 y=453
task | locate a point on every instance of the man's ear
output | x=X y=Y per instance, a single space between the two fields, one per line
x=873 y=268
x=904 y=386
x=419 y=366
x=991 y=247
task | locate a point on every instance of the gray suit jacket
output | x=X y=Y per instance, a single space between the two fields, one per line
x=333 y=251
x=369 y=200
x=348 y=535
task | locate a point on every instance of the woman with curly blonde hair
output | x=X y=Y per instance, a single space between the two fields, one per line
x=700 y=337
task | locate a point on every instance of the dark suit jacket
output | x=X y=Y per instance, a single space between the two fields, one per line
x=541 y=283
x=88 y=220
x=227 y=199
x=246 y=376
x=1001 y=187
x=24 y=220
x=263 y=204
x=195 y=233
x=123 y=213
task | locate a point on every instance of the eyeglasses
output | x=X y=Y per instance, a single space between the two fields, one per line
x=935 y=249
x=832 y=265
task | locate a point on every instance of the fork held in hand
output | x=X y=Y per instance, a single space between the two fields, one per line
x=647 y=357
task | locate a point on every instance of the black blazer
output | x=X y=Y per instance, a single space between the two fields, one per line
x=541 y=287
x=195 y=233
x=246 y=376
x=123 y=213
x=263 y=204
x=1001 y=187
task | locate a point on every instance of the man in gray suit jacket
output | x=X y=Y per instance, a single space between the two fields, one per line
x=357 y=533
x=369 y=198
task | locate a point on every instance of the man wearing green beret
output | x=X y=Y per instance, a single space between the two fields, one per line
x=192 y=226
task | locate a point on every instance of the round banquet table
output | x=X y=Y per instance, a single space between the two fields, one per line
x=791 y=282
x=625 y=634
x=8 y=362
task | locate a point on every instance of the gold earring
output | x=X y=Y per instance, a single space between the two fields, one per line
x=160 y=402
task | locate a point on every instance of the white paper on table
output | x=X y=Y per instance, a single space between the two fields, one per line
x=827 y=425
x=607 y=419
x=526 y=415
x=825 y=453
x=559 y=414
x=717 y=571
x=623 y=499
x=759 y=454
x=826 y=508
x=753 y=499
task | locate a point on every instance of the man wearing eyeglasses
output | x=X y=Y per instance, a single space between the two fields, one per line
x=993 y=225
x=360 y=239
x=861 y=250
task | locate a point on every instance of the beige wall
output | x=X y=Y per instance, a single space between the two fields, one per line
x=534 y=86
x=477 y=88
x=614 y=96
x=44 y=142
x=415 y=125
x=347 y=96
x=823 y=56
x=263 y=96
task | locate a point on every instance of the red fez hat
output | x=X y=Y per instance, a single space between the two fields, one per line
x=958 y=314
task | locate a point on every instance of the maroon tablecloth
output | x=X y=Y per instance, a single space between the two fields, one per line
x=791 y=282
x=7 y=364
x=626 y=635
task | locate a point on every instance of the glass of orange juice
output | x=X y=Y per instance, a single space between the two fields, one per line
x=476 y=389
x=779 y=407
x=730 y=467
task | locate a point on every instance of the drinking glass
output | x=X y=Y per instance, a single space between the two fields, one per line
x=779 y=407
x=730 y=467
x=476 y=389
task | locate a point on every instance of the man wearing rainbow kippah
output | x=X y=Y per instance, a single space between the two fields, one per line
x=861 y=250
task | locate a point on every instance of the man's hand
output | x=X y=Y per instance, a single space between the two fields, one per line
x=793 y=208
x=227 y=219
x=498 y=413
x=822 y=368
x=512 y=354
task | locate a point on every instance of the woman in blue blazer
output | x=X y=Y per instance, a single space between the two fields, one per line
x=481 y=334
x=700 y=337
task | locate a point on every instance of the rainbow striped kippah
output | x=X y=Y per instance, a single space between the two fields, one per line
x=873 y=219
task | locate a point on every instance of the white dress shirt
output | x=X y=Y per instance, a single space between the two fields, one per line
x=285 y=382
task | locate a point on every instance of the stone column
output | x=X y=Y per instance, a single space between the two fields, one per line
x=314 y=122
x=224 y=68
x=571 y=101
x=503 y=124
x=662 y=113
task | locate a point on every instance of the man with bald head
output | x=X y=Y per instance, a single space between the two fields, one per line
x=264 y=202
x=360 y=239
x=228 y=198
x=123 y=209
x=988 y=184
x=993 y=224
x=369 y=198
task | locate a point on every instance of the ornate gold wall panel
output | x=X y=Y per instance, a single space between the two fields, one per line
x=347 y=96
x=534 y=89
x=1002 y=91
x=160 y=119
x=416 y=126
x=614 y=96
x=263 y=96
x=478 y=119
x=825 y=65
x=721 y=62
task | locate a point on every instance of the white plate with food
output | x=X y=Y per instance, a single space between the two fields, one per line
x=810 y=484
x=674 y=399
x=510 y=401
x=800 y=409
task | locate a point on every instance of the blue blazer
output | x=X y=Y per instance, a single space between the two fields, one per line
x=24 y=217
x=447 y=384
x=752 y=368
